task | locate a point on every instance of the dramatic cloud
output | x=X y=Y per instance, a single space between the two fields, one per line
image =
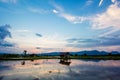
x=6 y=44
x=39 y=35
x=4 y=33
x=110 y=18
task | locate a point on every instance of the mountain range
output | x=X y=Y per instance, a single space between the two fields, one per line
x=92 y=52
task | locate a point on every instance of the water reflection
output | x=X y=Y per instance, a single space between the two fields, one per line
x=65 y=58
x=51 y=70
x=64 y=62
x=23 y=63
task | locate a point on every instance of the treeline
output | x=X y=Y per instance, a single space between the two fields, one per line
x=85 y=54
x=17 y=55
x=32 y=57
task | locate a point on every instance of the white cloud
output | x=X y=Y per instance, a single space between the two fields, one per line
x=100 y=3
x=108 y=33
x=107 y=19
x=22 y=31
x=110 y=18
x=89 y=2
x=113 y=1
x=9 y=1
x=55 y=11
x=71 y=18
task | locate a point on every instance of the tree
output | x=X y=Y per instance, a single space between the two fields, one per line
x=25 y=52
x=85 y=54
x=76 y=54
x=109 y=54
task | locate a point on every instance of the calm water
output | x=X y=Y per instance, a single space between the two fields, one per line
x=52 y=70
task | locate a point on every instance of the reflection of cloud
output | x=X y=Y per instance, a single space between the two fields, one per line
x=103 y=63
x=4 y=33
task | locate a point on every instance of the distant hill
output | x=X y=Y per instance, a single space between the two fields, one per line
x=92 y=52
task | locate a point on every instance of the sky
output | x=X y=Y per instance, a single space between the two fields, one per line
x=41 y=26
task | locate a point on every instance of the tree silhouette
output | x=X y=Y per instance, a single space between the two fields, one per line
x=76 y=54
x=109 y=54
x=25 y=52
x=85 y=54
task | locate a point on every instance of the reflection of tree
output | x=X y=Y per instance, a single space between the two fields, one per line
x=23 y=63
x=65 y=58
x=24 y=55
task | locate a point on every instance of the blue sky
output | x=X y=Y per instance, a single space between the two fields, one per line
x=59 y=25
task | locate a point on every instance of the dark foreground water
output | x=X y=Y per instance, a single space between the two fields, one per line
x=52 y=70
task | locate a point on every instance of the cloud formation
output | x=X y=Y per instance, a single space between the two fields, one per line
x=113 y=40
x=39 y=35
x=4 y=33
x=37 y=10
x=55 y=11
x=113 y=1
x=38 y=47
x=89 y=2
x=110 y=18
x=71 y=18
x=100 y=2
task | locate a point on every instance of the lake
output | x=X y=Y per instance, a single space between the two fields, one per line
x=51 y=69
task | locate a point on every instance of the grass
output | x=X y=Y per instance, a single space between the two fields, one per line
x=100 y=57
x=93 y=57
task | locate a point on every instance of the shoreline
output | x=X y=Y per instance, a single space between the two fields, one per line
x=71 y=57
